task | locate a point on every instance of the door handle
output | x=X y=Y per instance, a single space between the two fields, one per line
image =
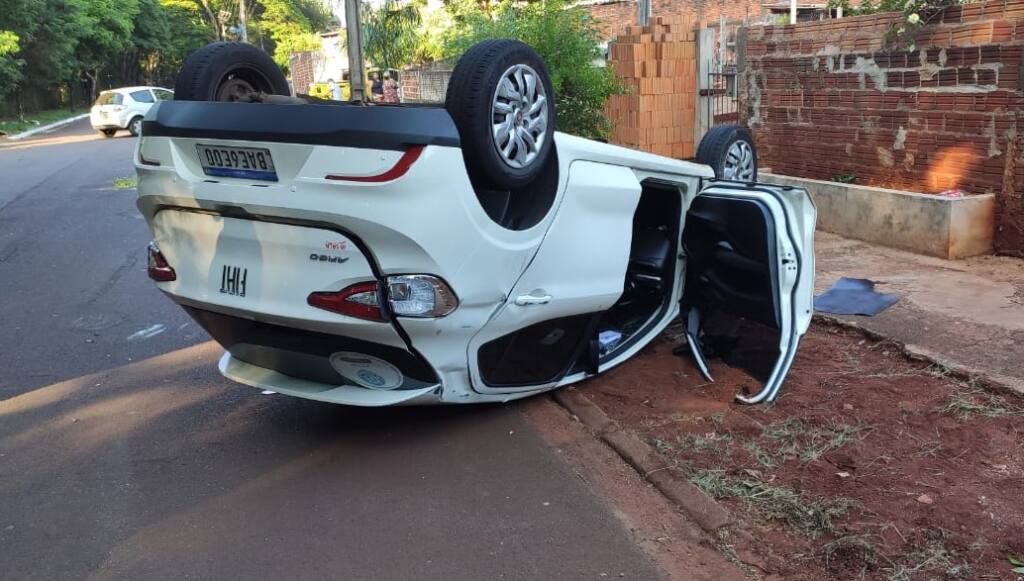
x=526 y=300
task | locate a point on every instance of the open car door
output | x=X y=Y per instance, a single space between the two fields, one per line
x=749 y=279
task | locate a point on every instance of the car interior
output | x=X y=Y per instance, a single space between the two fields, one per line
x=650 y=272
x=731 y=274
x=549 y=350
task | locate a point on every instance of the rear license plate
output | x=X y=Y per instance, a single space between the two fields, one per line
x=251 y=163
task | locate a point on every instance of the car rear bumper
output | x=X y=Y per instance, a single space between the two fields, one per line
x=316 y=365
x=100 y=122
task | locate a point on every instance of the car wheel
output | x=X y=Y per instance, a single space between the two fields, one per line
x=503 y=105
x=229 y=71
x=135 y=126
x=108 y=133
x=729 y=150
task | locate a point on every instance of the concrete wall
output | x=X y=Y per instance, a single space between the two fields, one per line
x=926 y=224
x=836 y=98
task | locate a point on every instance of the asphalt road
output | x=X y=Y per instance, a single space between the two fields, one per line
x=124 y=454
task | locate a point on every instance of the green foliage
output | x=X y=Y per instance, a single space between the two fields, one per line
x=10 y=65
x=293 y=25
x=1016 y=563
x=391 y=34
x=14 y=125
x=564 y=36
x=434 y=34
x=50 y=45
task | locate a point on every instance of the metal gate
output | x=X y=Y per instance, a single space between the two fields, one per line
x=719 y=62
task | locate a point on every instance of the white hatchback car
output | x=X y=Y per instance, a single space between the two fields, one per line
x=381 y=255
x=124 y=108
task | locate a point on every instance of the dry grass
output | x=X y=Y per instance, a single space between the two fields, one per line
x=970 y=400
x=810 y=516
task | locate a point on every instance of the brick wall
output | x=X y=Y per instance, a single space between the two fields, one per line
x=614 y=16
x=426 y=83
x=657 y=62
x=710 y=11
x=832 y=98
x=300 y=65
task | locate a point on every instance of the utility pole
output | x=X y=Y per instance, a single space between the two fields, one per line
x=242 y=21
x=354 y=34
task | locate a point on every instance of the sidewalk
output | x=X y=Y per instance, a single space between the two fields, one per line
x=60 y=122
x=966 y=314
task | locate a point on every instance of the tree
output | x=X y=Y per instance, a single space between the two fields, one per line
x=293 y=25
x=10 y=65
x=566 y=38
x=216 y=16
x=47 y=46
x=391 y=34
x=105 y=36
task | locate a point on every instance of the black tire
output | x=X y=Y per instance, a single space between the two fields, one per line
x=108 y=133
x=470 y=101
x=135 y=126
x=717 y=150
x=223 y=71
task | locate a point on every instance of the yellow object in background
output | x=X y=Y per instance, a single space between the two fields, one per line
x=323 y=90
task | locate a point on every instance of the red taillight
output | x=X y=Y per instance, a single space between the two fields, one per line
x=398 y=170
x=360 y=300
x=157 y=267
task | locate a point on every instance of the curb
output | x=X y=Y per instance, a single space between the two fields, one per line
x=988 y=380
x=31 y=132
x=708 y=514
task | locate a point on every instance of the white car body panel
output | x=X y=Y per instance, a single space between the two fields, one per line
x=580 y=267
x=201 y=245
x=428 y=221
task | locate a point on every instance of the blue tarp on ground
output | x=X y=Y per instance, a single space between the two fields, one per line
x=853 y=296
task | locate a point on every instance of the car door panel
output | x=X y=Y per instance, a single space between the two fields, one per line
x=749 y=286
x=577 y=273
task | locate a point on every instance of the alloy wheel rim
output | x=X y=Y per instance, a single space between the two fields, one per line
x=519 y=116
x=739 y=162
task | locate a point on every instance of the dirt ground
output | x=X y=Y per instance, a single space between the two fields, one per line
x=869 y=465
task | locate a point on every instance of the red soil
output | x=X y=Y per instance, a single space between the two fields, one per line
x=932 y=489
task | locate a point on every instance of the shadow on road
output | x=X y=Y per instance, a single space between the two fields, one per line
x=168 y=467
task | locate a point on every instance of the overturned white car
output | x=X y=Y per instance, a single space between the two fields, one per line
x=381 y=255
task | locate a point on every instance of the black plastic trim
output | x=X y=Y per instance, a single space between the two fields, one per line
x=303 y=354
x=371 y=127
x=571 y=361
